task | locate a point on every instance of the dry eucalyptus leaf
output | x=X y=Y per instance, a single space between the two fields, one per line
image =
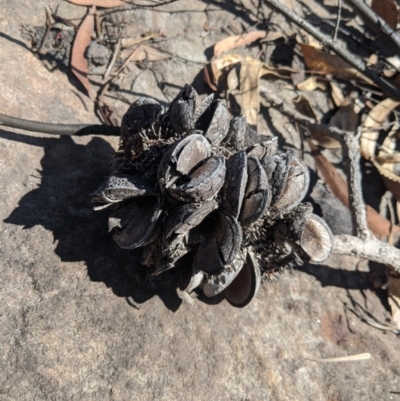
x=398 y=209
x=222 y=64
x=320 y=133
x=370 y=134
x=249 y=77
x=272 y=35
x=232 y=42
x=387 y=162
x=337 y=94
x=345 y=118
x=317 y=131
x=310 y=84
x=394 y=298
x=81 y=42
x=392 y=185
x=302 y=105
x=99 y=3
x=325 y=63
x=387 y=10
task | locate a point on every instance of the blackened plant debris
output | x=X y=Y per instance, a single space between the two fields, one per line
x=185 y=190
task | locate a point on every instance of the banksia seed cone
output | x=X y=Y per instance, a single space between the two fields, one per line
x=188 y=193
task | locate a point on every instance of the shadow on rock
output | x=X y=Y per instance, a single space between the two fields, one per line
x=61 y=204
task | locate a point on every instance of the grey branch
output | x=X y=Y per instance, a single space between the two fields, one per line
x=370 y=248
x=376 y=22
x=357 y=63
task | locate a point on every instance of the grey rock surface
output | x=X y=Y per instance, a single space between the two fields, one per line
x=79 y=321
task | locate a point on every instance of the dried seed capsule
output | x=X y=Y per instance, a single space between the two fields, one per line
x=316 y=239
x=257 y=195
x=203 y=183
x=185 y=217
x=279 y=175
x=205 y=104
x=181 y=157
x=237 y=132
x=189 y=276
x=232 y=193
x=152 y=254
x=246 y=284
x=262 y=150
x=137 y=224
x=295 y=189
x=120 y=187
x=220 y=239
x=216 y=283
x=172 y=251
x=140 y=114
x=182 y=110
x=214 y=122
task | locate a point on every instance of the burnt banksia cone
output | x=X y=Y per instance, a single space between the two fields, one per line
x=187 y=192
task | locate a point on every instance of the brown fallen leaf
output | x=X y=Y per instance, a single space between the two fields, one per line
x=336 y=93
x=387 y=10
x=220 y=67
x=398 y=210
x=319 y=132
x=249 y=76
x=100 y=3
x=345 y=118
x=208 y=79
x=232 y=42
x=325 y=63
x=310 y=84
x=393 y=287
x=381 y=227
x=374 y=121
x=272 y=36
x=81 y=42
x=303 y=106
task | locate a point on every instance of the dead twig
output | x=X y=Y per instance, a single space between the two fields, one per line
x=58 y=129
x=348 y=358
x=158 y=3
x=339 y=12
x=370 y=249
x=110 y=67
x=49 y=25
x=380 y=82
x=376 y=22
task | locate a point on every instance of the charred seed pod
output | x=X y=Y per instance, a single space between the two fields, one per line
x=186 y=191
x=182 y=110
x=120 y=187
x=234 y=187
x=215 y=284
x=262 y=150
x=245 y=285
x=214 y=122
x=257 y=195
x=316 y=239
